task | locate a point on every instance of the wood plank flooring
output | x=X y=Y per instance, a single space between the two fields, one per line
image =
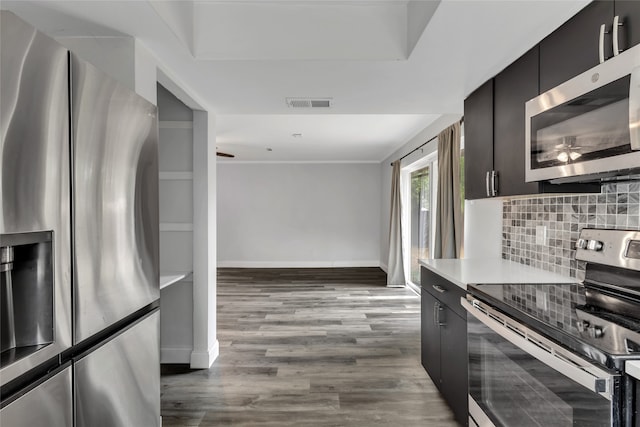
x=309 y=347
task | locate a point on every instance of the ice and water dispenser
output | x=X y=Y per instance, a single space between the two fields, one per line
x=26 y=294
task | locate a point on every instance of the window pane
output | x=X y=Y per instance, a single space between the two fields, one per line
x=420 y=220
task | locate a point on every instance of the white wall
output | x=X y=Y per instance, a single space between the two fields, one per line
x=483 y=228
x=114 y=56
x=298 y=214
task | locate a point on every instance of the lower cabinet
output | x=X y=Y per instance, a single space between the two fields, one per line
x=430 y=335
x=444 y=341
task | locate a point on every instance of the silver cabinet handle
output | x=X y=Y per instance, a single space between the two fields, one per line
x=439 y=288
x=634 y=109
x=440 y=310
x=603 y=31
x=486 y=178
x=494 y=183
x=437 y=308
x=616 y=25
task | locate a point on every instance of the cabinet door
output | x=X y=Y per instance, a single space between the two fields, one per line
x=478 y=140
x=573 y=48
x=629 y=13
x=430 y=338
x=455 y=384
x=517 y=84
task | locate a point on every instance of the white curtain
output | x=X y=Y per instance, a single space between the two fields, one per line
x=395 y=265
x=448 y=233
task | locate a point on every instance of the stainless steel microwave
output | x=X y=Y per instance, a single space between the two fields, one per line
x=588 y=127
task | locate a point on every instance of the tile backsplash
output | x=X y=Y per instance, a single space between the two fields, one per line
x=563 y=216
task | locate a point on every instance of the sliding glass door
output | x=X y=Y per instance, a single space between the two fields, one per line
x=421 y=215
x=419 y=181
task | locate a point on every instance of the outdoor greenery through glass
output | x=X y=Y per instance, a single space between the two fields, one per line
x=420 y=219
x=421 y=202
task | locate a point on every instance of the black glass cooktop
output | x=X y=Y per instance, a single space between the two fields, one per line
x=566 y=314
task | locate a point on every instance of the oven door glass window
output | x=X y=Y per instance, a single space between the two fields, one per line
x=592 y=126
x=513 y=388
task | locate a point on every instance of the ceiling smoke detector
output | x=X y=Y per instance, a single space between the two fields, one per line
x=309 y=102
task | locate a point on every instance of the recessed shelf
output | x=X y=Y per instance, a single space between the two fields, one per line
x=172 y=278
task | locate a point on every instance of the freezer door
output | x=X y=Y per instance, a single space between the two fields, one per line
x=34 y=196
x=118 y=384
x=115 y=200
x=49 y=404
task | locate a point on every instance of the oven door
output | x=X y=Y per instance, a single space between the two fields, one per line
x=519 y=378
x=588 y=126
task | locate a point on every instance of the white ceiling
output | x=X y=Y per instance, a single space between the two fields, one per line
x=325 y=137
x=391 y=68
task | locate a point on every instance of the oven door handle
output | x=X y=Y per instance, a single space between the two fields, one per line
x=546 y=351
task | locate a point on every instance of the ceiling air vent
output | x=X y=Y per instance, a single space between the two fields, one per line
x=309 y=102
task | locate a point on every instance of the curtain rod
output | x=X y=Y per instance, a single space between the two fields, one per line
x=422 y=145
x=415 y=149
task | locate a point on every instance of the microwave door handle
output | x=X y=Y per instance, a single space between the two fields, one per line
x=546 y=352
x=634 y=109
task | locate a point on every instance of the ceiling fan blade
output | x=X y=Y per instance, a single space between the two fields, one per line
x=221 y=154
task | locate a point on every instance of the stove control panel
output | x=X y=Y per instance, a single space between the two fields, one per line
x=594 y=331
x=618 y=248
x=633 y=250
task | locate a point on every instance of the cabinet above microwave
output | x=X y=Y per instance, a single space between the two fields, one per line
x=588 y=127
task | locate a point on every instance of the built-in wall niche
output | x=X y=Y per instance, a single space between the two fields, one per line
x=175 y=157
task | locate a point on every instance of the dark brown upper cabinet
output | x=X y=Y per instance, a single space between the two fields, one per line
x=478 y=140
x=628 y=12
x=574 y=47
x=494 y=121
x=514 y=86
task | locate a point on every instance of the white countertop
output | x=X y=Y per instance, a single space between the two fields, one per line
x=170 y=279
x=463 y=272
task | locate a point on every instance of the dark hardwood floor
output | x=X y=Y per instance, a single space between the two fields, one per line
x=309 y=347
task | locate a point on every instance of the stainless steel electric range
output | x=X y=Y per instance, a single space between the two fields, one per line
x=557 y=354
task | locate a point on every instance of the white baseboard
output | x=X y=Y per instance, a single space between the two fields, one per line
x=204 y=359
x=296 y=264
x=175 y=354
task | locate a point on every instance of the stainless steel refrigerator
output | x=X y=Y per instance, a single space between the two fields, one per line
x=79 y=298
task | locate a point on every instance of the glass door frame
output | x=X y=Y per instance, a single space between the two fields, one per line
x=428 y=161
